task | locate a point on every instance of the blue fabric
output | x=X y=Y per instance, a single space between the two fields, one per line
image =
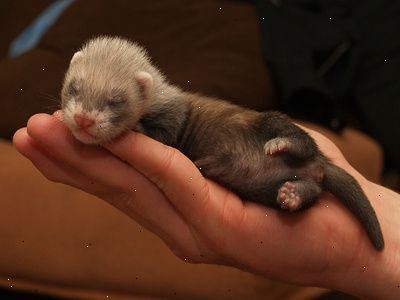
x=31 y=36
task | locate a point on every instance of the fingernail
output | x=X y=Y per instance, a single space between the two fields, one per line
x=58 y=115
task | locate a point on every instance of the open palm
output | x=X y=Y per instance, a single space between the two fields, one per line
x=199 y=220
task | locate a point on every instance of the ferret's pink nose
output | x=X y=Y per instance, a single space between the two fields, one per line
x=83 y=121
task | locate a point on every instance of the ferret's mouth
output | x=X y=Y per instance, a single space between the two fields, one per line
x=84 y=132
x=84 y=136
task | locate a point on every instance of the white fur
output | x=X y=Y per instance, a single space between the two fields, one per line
x=76 y=56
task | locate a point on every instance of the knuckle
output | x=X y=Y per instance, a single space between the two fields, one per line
x=170 y=154
x=165 y=167
x=204 y=191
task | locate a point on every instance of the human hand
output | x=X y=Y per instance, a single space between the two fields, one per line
x=202 y=222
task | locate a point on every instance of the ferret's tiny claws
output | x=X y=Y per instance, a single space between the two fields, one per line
x=276 y=145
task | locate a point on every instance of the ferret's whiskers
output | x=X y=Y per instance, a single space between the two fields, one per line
x=54 y=105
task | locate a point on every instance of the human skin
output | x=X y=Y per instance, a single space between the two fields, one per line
x=202 y=222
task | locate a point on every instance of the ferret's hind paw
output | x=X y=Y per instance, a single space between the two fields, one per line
x=288 y=198
x=276 y=145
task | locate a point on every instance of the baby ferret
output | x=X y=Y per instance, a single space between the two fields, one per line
x=111 y=87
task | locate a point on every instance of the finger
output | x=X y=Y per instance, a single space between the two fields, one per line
x=52 y=169
x=93 y=161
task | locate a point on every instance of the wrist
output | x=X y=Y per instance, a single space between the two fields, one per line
x=371 y=274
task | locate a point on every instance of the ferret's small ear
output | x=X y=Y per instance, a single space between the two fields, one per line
x=76 y=56
x=145 y=82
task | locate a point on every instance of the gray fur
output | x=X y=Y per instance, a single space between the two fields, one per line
x=263 y=157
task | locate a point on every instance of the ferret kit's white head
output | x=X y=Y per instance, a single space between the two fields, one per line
x=106 y=89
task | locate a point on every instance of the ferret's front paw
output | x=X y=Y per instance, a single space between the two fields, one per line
x=288 y=198
x=276 y=145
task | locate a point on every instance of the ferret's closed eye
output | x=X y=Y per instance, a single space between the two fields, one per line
x=116 y=102
x=72 y=89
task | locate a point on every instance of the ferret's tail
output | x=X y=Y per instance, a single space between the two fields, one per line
x=347 y=189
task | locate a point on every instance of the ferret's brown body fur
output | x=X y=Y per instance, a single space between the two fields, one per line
x=261 y=156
